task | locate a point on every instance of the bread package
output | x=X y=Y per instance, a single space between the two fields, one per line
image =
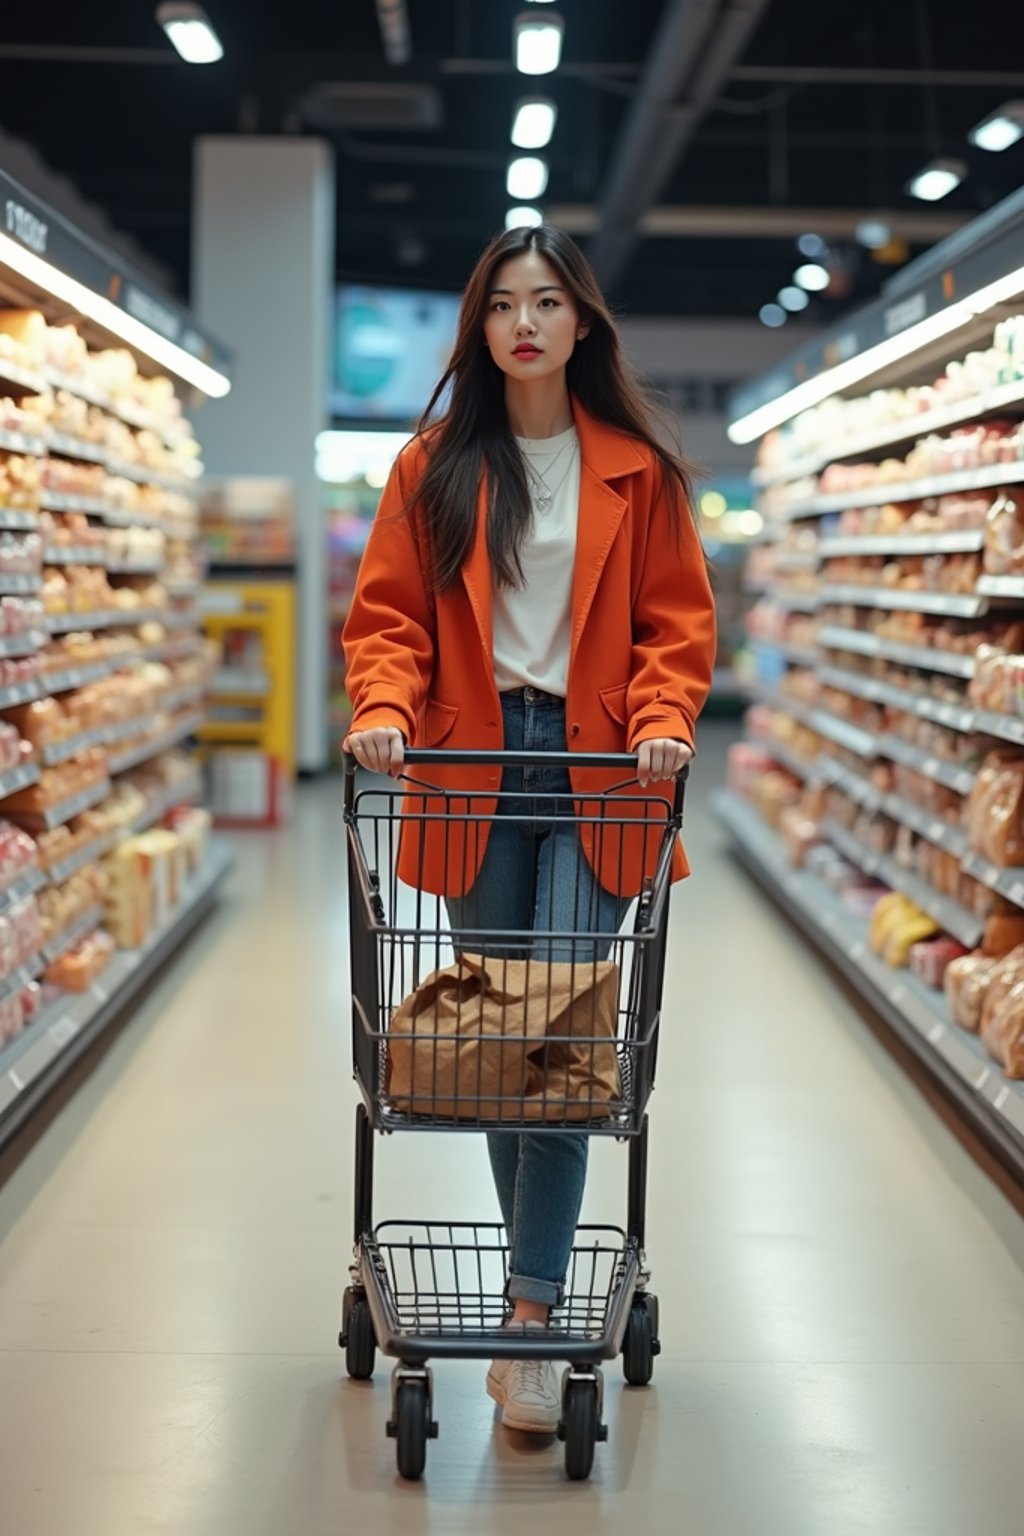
x=995 y=809
x=1004 y=534
x=965 y=984
x=1006 y=974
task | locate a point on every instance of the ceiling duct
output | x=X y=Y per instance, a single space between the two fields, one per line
x=375 y=106
x=696 y=46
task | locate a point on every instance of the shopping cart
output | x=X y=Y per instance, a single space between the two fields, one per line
x=423 y=1290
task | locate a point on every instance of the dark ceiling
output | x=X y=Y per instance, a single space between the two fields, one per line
x=99 y=93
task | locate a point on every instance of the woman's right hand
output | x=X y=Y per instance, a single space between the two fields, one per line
x=381 y=750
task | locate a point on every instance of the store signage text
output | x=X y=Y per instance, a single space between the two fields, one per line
x=151 y=312
x=30 y=230
x=908 y=313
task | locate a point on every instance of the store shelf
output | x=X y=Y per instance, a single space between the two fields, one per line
x=953 y=541
x=934 y=829
x=56 y=874
x=120 y=762
x=107 y=618
x=958 y=779
x=863 y=643
x=38 y=1057
x=67 y=501
x=87 y=923
x=901 y=491
x=853 y=784
x=18 y=778
x=19 y=693
x=134 y=567
x=1006 y=587
x=16 y=520
x=179 y=698
x=801 y=767
x=170 y=619
x=26 y=381
x=25 y=885
x=798 y=560
x=140 y=420
x=908 y=429
x=994 y=1103
x=775 y=699
x=64 y=810
x=98 y=736
x=78 y=677
x=21 y=586
x=864 y=743
x=793 y=602
x=21 y=978
x=1006 y=727
x=74 y=555
x=921 y=705
x=1008 y=882
x=64 y=446
x=952 y=605
x=21 y=442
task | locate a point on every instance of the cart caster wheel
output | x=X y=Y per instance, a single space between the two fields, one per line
x=357 y=1336
x=641 y=1343
x=580 y=1428
x=412 y=1428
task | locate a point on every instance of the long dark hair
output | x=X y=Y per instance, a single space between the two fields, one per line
x=474 y=432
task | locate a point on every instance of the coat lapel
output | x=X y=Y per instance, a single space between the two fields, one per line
x=606 y=456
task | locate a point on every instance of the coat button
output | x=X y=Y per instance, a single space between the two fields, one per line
x=575 y=730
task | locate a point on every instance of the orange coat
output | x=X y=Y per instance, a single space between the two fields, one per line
x=641 y=658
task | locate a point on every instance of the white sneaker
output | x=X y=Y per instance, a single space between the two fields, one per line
x=527 y=1392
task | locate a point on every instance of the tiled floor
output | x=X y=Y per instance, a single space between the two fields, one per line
x=842 y=1289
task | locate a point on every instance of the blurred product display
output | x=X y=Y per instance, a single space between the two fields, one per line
x=884 y=756
x=103 y=669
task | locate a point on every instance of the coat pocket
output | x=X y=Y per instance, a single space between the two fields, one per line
x=614 y=701
x=438 y=720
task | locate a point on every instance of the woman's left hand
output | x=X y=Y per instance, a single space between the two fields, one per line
x=661 y=759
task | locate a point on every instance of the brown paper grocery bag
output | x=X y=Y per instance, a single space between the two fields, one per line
x=472 y=1041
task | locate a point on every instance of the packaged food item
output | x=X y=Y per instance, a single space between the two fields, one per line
x=18 y=854
x=1004 y=534
x=965 y=984
x=1004 y=930
x=930 y=959
x=78 y=967
x=995 y=809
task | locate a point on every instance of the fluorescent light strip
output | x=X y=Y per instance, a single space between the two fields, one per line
x=856 y=369
x=107 y=314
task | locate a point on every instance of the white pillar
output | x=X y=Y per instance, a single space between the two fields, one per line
x=262 y=280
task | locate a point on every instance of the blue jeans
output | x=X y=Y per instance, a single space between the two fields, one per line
x=536 y=876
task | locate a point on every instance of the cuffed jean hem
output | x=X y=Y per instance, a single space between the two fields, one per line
x=547 y=1292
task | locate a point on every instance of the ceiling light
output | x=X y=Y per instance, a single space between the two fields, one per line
x=856 y=369
x=523 y=218
x=772 y=315
x=190 y=30
x=527 y=177
x=937 y=180
x=1000 y=129
x=96 y=307
x=812 y=246
x=793 y=299
x=538 y=44
x=813 y=277
x=873 y=234
x=534 y=122
x=713 y=504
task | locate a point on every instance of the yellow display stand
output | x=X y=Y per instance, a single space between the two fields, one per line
x=251 y=756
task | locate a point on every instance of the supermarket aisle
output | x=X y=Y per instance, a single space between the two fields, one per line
x=842 y=1291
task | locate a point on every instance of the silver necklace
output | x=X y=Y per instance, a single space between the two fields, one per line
x=543 y=493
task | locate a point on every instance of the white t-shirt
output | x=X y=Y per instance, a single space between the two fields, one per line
x=532 y=622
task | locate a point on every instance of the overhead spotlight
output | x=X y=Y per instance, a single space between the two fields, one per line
x=538 y=44
x=937 y=180
x=1000 y=129
x=191 y=31
x=793 y=299
x=813 y=277
x=812 y=246
x=523 y=218
x=534 y=122
x=713 y=504
x=527 y=177
x=772 y=315
x=873 y=234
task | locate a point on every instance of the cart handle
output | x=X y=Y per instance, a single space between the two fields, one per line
x=415 y=757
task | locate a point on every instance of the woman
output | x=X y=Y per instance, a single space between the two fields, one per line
x=533 y=580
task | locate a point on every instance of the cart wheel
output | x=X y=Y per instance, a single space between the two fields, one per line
x=579 y=1413
x=360 y=1343
x=639 y=1346
x=412 y=1428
